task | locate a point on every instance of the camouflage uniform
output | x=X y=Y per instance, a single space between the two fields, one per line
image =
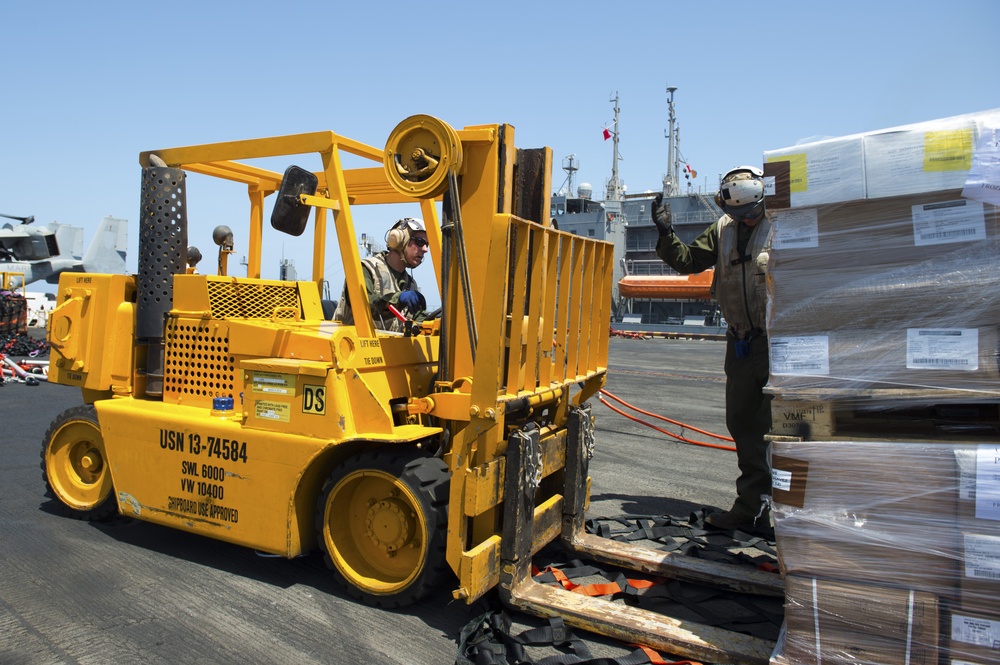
x=739 y=255
x=384 y=286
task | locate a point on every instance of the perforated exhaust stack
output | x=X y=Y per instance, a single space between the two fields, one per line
x=162 y=254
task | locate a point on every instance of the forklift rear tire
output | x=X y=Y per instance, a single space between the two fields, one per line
x=382 y=524
x=75 y=466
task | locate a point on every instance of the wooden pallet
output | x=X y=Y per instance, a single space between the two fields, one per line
x=887 y=414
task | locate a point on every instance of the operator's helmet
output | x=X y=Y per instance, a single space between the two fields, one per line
x=741 y=193
x=398 y=236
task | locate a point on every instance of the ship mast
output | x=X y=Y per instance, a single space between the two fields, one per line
x=570 y=166
x=614 y=192
x=673 y=154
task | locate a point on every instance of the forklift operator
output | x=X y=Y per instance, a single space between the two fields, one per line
x=387 y=281
x=736 y=246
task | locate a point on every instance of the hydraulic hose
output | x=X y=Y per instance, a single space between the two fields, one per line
x=679 y=437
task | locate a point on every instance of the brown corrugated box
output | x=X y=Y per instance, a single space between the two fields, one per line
x=859 y=237
x=854 y=510
x=877 y=358
x=838 y=647
x=892 y=561
x=863 y=608
x=917 y=480
x=852 y=623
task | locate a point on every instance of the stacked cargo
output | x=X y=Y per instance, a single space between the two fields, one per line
x=890 y=551
x=884 y=325
x=883 y=270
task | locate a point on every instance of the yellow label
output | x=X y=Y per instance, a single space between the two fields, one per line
x=798 y=173
x=314 y=399
x=278 y=411
x=948 y=150
x=273 y=383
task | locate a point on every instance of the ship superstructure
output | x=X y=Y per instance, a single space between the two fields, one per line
x=648 y=294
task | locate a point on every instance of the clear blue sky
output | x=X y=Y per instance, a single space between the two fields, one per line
x=90 y=85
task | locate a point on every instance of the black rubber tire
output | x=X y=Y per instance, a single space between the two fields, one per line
x=75 y=466
x=423 y=483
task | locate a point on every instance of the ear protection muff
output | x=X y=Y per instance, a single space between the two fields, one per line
x=397 y=237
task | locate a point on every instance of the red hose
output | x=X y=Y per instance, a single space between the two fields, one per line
x=663 y=431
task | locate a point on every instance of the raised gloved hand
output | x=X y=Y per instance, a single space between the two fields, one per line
x=661 y=216
x=412 y=300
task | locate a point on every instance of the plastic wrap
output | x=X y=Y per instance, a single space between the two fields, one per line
x=898 y=287
x=918 y=158
x=890 y=551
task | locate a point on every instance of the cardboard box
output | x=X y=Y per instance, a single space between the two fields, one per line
x=880 y=234
x=835 y=647
x=864 y=608
x=911 y=159
x=909 y=481
x=923 y=157
x=834 y=621
x=870 y=560
x=826 y=171
x=919 y=358
x=853 y=510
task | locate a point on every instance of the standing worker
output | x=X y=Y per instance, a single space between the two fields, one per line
x=386 y=279
x=736 y=246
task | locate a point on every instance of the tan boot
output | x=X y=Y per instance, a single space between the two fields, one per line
x=744 y=520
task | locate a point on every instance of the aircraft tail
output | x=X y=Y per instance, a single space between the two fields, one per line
x=106 y=253
x=69 y=238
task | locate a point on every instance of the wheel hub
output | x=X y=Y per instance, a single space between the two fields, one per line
x=390 y=525
x=90 y=462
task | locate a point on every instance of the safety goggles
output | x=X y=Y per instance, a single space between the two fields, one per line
x=419 y=242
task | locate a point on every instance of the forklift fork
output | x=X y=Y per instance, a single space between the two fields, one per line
x=629 y=624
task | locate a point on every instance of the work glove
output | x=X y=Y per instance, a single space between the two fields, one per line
x=412 y=300
x=661 y=216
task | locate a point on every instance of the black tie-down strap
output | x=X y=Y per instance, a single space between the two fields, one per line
x=760 y=616
x=487 y=640
x=689 y=537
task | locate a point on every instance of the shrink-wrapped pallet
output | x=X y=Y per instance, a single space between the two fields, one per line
x=898 y=287
x=879 y=540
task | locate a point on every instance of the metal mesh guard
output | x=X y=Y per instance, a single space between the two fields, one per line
x=253 y=300
x=198 y=362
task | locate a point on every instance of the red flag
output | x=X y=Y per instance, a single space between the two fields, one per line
x=607 y=134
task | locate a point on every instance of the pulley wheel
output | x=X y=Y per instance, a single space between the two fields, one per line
x=419 y=154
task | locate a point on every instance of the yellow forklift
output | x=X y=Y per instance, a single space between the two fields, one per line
x=448 y=454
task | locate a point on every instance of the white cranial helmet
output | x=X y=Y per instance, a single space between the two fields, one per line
x=741 y=194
